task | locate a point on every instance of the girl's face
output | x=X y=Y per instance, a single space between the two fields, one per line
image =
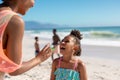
x=25 y=5
x=67 y=45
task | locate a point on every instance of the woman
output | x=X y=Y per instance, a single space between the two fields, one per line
x=11 y=35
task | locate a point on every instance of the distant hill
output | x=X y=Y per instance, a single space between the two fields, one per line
x=29 y=25
x=33 y=25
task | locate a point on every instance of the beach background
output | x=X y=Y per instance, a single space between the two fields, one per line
x=100 y=52
x=97 y=20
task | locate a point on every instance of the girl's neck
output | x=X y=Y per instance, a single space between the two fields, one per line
x=68 y=58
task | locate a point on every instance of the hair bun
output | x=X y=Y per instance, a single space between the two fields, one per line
x=76 y=33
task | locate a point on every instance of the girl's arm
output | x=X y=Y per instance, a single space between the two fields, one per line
x=82 y=70
x=53 y=69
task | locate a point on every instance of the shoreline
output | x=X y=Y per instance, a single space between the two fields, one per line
x=101 y=42
x=105 y=52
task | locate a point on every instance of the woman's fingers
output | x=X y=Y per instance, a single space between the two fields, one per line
x=46 y=47
x=46 y=51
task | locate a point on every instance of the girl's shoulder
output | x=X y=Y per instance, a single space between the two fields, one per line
x=56 y=61
x=81 y=66
x=81 y=63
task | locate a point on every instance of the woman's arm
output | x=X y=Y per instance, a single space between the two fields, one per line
x=15 y=31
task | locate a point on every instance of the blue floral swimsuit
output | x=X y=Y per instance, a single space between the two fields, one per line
x=66 y=74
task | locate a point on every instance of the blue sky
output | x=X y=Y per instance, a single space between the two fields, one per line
x=76 y=12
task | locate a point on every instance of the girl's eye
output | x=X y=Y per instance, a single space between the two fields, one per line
x=66 y=41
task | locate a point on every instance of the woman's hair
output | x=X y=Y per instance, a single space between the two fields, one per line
x=8 y=2
x=77 y=36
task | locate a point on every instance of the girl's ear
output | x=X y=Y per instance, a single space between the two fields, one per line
x=75 y=47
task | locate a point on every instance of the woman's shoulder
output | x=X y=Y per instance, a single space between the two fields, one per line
x=16 y=22
x=17 y=19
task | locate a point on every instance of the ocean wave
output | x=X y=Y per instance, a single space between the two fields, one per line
x=104 y=34
x=89 y=37
x=86 y=34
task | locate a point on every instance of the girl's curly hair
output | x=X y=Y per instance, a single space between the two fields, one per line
x=78 y=36
x=76 y=33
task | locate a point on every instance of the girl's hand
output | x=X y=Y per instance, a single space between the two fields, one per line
x=45 y=53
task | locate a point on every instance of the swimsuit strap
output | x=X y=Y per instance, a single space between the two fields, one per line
x=75 y=65
x=59 y=62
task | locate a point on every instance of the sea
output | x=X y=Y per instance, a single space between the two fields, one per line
x=102 y=35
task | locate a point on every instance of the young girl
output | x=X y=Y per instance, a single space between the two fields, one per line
x=69 y=67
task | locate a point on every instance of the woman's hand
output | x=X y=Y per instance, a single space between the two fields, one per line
x=45 y=53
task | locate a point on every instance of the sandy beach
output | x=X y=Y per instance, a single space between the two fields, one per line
x=102 y=62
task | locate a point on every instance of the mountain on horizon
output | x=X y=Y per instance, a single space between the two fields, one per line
x=29 y=25
x=33 y=25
